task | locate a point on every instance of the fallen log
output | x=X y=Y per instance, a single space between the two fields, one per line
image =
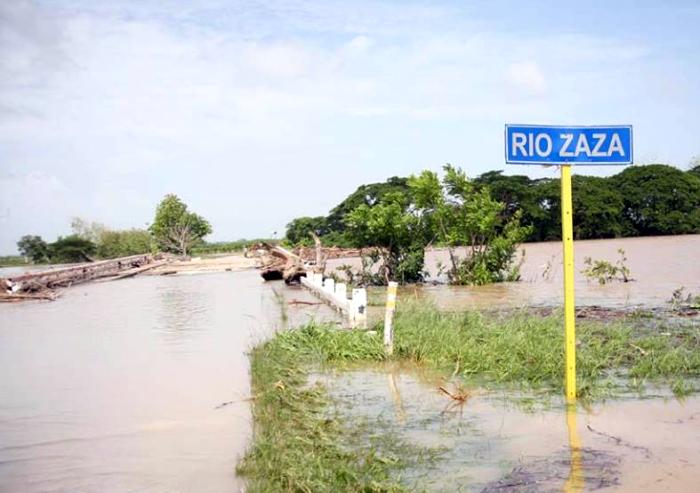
x=9 y=298
x=48 y=280
x=139 y=270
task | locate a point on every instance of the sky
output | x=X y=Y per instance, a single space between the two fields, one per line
x=258 y=112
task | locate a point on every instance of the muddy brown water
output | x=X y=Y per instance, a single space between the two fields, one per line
x=491 y=444
x=658 y=265
x=134 y=385
x=121 y=386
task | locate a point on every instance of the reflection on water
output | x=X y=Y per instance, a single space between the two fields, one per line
x=392 y=376
x=494 y=446
x=575 y=482
x=183 y=311
x=115 y=387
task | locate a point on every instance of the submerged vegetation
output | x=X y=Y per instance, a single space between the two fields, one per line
x=604 y=271
x=680 y=299
x=458 y=213
x=453 y=212
x=527 y=351
x=300 y=444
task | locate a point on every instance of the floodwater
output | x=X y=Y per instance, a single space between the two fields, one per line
x=490 y=444
x=658 y=265
x=134 y=385
x=141 y=384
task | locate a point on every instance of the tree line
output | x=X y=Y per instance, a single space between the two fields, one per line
x=644 y=200
x=493 y=212
x=174 y=229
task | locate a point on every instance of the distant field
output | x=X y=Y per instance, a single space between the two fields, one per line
x=12 y=261
x=228 y=246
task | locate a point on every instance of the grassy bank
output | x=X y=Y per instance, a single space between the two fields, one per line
x=301 y=445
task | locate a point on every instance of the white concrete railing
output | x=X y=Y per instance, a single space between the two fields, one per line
x=336 y=295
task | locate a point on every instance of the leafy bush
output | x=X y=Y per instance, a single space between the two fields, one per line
x=398 y=232
x=113 y=244
x=34 y=248
x=605 y=272
x=457 y=213
x=71 y=249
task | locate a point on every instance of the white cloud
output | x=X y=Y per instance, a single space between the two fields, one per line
x=527 y=75
x=359 y=43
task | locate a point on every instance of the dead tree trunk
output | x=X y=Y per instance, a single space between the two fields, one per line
x=320 y=266
x=282 y=264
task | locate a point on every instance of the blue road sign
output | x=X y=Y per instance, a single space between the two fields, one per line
x=546 y=144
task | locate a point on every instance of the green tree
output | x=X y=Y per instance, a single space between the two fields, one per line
x=516 y=192
x=658 y=200
x=694 y=167
x=87 y=230
x=460 y=214
x=113 y=244
x=175 y=228
x=33 y=247
x=397 y=232
x=300 y=229
x=369 y=195
x=71 y=249
x=597 y=208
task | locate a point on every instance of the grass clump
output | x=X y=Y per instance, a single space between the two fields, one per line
x=299 y=445
x=528 y=351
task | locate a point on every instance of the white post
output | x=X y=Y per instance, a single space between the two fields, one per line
x=341 y=292
x=318 y=280
x=389 y=317
x=359 y=307
x=329 y=286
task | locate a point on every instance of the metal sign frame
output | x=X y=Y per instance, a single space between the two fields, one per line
x=584 y=129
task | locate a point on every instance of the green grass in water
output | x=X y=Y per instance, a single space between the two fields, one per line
x=299 y=446
x=528 y=351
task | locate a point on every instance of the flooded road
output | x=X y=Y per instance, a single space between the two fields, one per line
x=490 y=444
x=117 y=386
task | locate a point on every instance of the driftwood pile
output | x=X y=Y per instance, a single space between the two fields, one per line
x=278 y=263
x=42 y=285
x=328 y=252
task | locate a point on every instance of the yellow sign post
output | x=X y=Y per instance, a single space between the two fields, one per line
x=567 y=234
x=566 y=146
